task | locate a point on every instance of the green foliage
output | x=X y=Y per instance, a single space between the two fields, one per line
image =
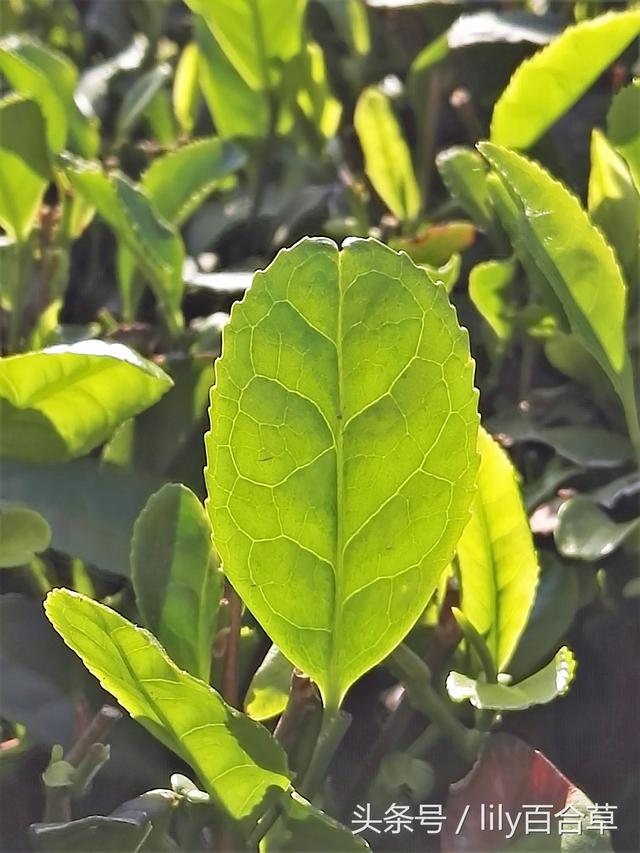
x=387 y=158
x=623 y=127
x=295 y=437
x=547 y=85
x=24 y=165
x=585 y=532
x=62 y=402
x=497 y=560
x=23 y=534
x=269 y=689
x=237 y=761
x=175 y=576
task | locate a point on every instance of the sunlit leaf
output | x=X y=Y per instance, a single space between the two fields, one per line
x=585 y=532
x=623 y=127
x=434 y=245
x=175 y=576
x=23 y=534
x=24 y=166
x=237 y=761
x=314 y=97
x=465 y=176
x=489 y=285
x=540 y=688
x=186 y=94
x=178 y=182
x=386 y=154
x=62 y=402
x=545 y=86
x=269 y=689
x=382 y=396
x=48 y=77
x=498 y=563
x=254 y=34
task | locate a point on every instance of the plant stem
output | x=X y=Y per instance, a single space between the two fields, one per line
x=231 y=664
x=262 y=172
x=416 y=676
x=423 y=743
x=334 y=727
x=96 y=732
x=23 y=251
x=429 y=135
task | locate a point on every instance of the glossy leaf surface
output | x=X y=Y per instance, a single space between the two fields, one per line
x=23 y=534
x=338 y=369
x=386 y=154
x=542 y=687
x=546 y=85
x=238 y=762
x=585 y=532
x=180 y=181
x=175 y=576
x=498 y=563
x=24 y=165
x=574 y=258
x=62 y=402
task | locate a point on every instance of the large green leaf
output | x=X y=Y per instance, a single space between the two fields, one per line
x=498 y=563
x=175 y=576
x=180 y=181
x=23 y=534
x=623 y=127
x=586 y=532
x=24 y=165
x=237 y=760
x=341 y=457
x=576 y=262
x=236 y=108
x=39 y=72
x=255 y=33
x=545 y=86
x=62 y=402
x=155 y=245
x=551 y=681
x=90 y=508
x=386 y=154
x=614 y=204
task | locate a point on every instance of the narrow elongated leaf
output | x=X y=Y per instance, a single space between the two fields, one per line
x=236 y=108
x=386 y=154
x=341 y=457
x=62 y=402
x=498 y=563
x=623 y=127
x=585 y=532
x=23 y=534
x=180 y=181
x=269 y=689
x=313 y=96
x=545 y=685
x=186 y=94
x=139 y=96
x=24 y=165
x=545 y=86
x=156 y=246
x=48 y=77
x=614 y=204
x=574 y=258
x=175 y=576
x=237 y=760
x=254 y=33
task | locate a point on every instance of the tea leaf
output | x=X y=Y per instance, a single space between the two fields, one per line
x=386 y=154
x=254 y=33
x=175 y=576
x=585 y=532
x=186 y=95
x=268 y=692
x=23 y=534
x=623 y=127
x=24 y=165
x=340 y=369
x=575 y=260
x=138 y=97
x=498 y=563
x=48 y=77
x=307 y=828
x=180 y=181
x=62 y=402
x=542 y=687
x=488 y=282
x=545 y=86
x=237 y=761
x=465 y=176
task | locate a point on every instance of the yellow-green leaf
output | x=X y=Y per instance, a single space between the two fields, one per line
x=498 y=563
x=342 y=452
x=23 y=534
x=186 y=94
x=386 y=154
x=238 y=762
x=545 y=86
